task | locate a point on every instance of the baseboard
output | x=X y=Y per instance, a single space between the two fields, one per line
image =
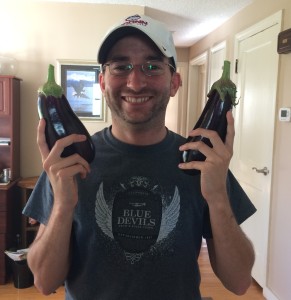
x=268 y=294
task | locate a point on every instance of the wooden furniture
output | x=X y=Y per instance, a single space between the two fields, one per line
x=9 y=158
x=10 y=216
x=9 y=125
x=28 y=227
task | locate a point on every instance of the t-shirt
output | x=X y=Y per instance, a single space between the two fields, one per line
x=138 y=224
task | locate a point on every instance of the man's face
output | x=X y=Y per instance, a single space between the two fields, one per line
x=137 y=99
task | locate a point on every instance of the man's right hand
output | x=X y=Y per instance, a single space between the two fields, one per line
x=62 y=170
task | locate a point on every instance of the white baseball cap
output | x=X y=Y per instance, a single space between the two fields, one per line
x=154 y=29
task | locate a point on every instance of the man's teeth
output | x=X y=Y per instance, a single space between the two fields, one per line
x=136 y=100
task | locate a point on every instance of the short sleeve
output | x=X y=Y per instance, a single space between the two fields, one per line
x=40 y=202
x=241 y=205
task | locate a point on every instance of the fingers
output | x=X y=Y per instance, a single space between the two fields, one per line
x=202 y=147
x=230 y=133
x=52 y=160
x=68 y=167
x=74 y=163
x=64 y=142
x=41 y=141
x=219 y=153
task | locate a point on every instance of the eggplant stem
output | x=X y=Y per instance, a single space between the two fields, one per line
x=224 y=86
x=51 y=88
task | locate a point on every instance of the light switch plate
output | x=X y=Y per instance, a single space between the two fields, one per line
x=284 y=114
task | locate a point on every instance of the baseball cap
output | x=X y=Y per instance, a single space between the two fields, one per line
x=154 y=29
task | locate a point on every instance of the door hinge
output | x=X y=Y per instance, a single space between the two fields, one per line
x=236 y=66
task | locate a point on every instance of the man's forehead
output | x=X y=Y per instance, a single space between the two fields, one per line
x=135 y=45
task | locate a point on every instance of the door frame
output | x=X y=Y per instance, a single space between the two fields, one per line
x=220 y=47
x=194 y=105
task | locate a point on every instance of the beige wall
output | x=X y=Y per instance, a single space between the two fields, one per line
x=37 y=34
x=279 y=268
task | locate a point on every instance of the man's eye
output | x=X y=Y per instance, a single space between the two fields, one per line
x=123 y=67
x=154 y=67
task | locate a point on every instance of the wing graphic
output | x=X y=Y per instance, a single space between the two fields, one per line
x=170 y=216
x=103 y=214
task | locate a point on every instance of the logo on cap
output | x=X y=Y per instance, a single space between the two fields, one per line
x=135 y=20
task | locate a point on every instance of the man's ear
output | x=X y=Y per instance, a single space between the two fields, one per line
x=176 y=82
x=102 y=81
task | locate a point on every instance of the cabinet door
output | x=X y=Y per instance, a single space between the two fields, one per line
x=4 y=96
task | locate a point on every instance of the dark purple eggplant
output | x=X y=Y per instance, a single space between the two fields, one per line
x=61 y=120
x=221 y=98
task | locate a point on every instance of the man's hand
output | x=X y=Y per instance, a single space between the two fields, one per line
x=215 y=167
x=62 y=171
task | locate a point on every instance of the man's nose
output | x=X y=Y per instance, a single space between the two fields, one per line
x=136 y=79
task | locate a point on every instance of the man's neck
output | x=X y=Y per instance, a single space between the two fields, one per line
x=139 y=136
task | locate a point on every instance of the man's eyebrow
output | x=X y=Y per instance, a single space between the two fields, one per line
x=155 y=57
x=126 y=58
x=118 y=58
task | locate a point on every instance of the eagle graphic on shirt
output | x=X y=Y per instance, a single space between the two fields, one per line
x=140 y=216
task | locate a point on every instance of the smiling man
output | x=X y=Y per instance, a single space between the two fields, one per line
x=129 y=225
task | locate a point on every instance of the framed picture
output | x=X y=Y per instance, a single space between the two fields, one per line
x=80 y=82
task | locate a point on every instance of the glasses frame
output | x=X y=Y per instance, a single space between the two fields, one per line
x=132 y=66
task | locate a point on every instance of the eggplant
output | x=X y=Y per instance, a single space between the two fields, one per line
x=221 y=98
x=61 y=120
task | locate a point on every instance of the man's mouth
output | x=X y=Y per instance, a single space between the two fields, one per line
x=136 y=99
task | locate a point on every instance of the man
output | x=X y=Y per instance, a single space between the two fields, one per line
x=129 y=225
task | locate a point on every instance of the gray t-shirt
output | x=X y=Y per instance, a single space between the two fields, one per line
x=139 y=222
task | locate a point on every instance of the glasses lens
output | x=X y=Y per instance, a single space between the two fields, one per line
x=120 y=68
x=152 y=68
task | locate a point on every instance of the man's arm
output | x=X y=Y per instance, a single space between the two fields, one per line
x=49 y=255
x=230 y=251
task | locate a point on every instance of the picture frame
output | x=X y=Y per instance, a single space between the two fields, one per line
x=80 y=82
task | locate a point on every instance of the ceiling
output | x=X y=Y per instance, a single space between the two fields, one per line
x=189 y=20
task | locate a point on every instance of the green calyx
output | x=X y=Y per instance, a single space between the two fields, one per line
x=224 y=85
x=51 y=88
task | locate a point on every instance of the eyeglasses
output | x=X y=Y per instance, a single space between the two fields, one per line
x=149 y=68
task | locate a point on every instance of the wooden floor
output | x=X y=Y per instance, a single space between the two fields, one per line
x=210 y=287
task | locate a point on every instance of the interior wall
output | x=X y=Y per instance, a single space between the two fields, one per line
x=279 y=268
x=37 y=34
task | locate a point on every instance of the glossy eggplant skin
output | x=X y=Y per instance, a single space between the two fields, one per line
x=61 y=121
x=213 y=117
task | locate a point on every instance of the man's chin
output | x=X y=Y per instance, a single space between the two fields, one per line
x=137 y=119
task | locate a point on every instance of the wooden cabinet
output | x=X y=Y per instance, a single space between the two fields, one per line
x=10 y=209
x=9 y=125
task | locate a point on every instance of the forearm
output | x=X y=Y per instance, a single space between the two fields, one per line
x=49 y=255
x=232 y=254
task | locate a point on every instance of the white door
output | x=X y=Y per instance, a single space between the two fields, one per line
x=255 y=119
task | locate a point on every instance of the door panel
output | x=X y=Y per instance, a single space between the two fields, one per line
x=255 y=119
